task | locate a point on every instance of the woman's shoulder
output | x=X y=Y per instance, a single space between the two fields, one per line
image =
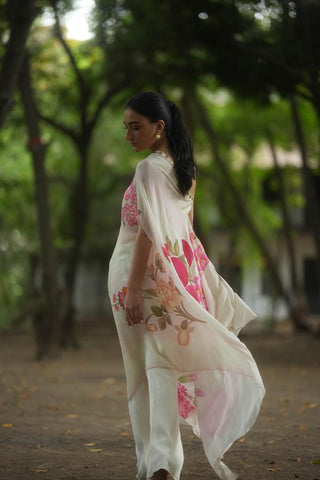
x=146 y=169
x=151 y=163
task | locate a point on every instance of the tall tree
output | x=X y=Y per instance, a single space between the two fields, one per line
x=92 y=94
x=46 y=321
x=21 y=14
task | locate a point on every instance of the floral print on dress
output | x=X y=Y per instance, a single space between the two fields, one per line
x=187 y=397
x=200 y=255
x=129 y=211
x=185 y=262
x=166 y=301
x=118 y=299
x=184 y=404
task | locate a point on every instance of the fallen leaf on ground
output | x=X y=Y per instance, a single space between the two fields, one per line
x=95 y=450
x=315 y=462
x=271 y=441
x=110 y=381
x=45 y=429
x=68 y=432
x=241 y=440
x=89 y=444
x=7 y=425
x=244 y=464
x=37 y=470
x=273 y=469
x=298 y=459
x=53 y=407
x=72 y=415
x=285 y=400
x=124 y=434
x=302 y=428
x=24 y=396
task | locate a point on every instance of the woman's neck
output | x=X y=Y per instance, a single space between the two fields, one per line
x=162 y=146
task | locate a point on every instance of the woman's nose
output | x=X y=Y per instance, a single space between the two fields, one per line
x=128 y=135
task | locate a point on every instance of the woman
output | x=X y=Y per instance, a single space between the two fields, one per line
x=177 y=319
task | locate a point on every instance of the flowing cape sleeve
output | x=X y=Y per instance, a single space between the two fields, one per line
x=163 y=215
x=191 y=318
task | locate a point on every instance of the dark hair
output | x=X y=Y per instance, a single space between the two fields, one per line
x=155 y=107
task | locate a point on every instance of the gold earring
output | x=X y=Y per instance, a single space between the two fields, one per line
x=158 y=136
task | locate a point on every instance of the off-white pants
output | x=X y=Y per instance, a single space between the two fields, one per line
x=155 y=422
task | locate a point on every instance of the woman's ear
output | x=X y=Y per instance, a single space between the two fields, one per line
x=160 y=125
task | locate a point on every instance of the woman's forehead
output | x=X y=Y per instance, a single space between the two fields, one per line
x=130 y=116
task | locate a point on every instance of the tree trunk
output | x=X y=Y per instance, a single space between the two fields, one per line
x=22 y=14
x=47 y=322
x=312 y=203
x=79 y=209
x=310 y=51
x=245 y=216
x=298 y=294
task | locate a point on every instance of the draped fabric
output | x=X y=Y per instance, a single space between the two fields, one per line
x=191 y=316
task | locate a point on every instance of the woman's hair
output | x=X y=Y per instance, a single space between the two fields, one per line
x=155 y=107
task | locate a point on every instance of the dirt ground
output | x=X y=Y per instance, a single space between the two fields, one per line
x=67 y=419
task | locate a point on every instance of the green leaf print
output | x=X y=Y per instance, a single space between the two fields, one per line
x=151 y=291
x=162 y=323
x=176 y=247
x=158 y=311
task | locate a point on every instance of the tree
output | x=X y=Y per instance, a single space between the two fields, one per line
x=91 y=94
x=229 y=45
x=46 y=318
x=21 y=14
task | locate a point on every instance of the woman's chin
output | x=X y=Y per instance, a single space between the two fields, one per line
x=138 y=149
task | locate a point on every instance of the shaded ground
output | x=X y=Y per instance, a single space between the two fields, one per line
x=67 y=419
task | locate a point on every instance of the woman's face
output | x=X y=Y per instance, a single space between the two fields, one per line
x=141 y=133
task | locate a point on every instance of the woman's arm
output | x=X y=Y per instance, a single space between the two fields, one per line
x=133 y=300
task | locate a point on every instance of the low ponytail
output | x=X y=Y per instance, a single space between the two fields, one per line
x=181 y=147
x=155 y=107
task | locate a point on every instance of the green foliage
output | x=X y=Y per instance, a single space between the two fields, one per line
x=244 y=59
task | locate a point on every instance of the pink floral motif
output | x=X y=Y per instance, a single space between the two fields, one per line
x=118 y=299
x=122 y=295
x=204 y=260
x=129 y=212
x=187 y=250
x=168 y=300
x=165 y=250
x=183 y=263
x=130 y=194
x=200 y=255
x=185 y=406
x=193 y=291
x=200 y=293
x=167 y=294
x=181 y=270
x=199 y=392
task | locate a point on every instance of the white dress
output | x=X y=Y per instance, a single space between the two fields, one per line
x=185 y=362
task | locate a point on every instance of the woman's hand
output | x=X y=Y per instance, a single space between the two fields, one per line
x=133 y=307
